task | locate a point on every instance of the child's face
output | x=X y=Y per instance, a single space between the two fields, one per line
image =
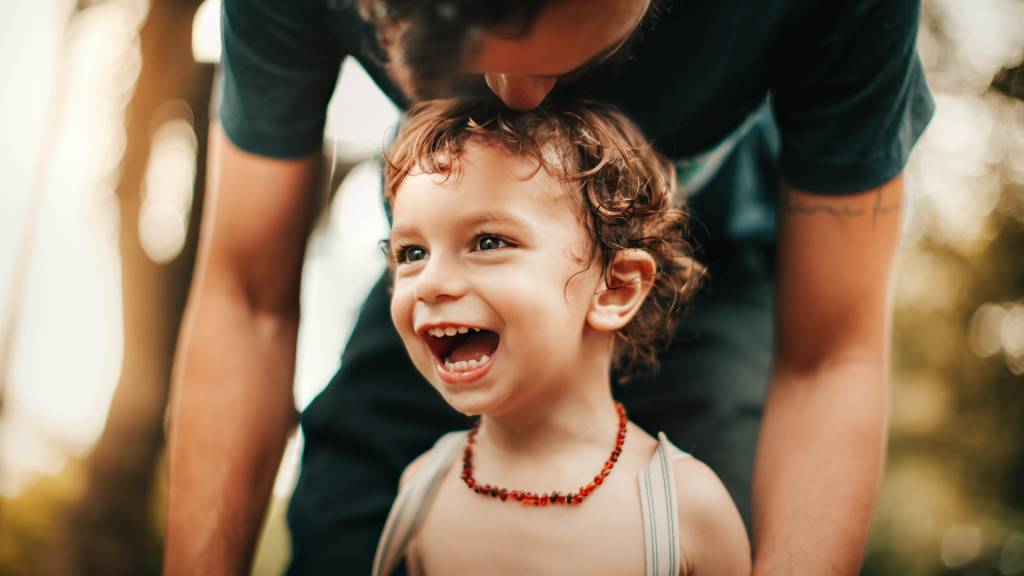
x=494 y=250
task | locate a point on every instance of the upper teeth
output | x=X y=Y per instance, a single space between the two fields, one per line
x=449 y=331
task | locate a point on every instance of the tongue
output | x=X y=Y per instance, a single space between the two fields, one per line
x=474 y=346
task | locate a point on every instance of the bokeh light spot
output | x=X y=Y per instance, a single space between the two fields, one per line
x=960 y=546
x=168 y=187
x=206 y=44
x=1012 y=331
x=1009 y=559
x=986 y=330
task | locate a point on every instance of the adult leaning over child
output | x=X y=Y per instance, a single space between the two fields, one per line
x=846 y=100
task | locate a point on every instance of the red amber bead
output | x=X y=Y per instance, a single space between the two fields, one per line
x=471 y=483
x=561 y=498
x=604 y=472
x=590 y=487
x=598 y=479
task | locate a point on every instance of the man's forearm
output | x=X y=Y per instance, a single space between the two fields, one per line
x=232 y=404
x=822 y=444
x=232 y=409
x=819 y=462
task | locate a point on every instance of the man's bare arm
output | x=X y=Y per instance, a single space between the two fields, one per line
x=822 y=445
x=232 y=404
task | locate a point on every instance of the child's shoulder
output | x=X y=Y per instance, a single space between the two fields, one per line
x=711 y=532
x=413 y=469
x=443 y=449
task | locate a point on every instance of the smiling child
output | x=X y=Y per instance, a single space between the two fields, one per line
x=533 y=253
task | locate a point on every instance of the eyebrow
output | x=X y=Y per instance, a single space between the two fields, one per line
x=497 y=216
x=487 y=217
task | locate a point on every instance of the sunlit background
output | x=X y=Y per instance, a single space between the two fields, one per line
x=72 y=78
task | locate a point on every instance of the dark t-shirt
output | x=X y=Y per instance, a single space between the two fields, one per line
x=846 y=91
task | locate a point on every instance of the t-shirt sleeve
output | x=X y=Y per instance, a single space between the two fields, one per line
x=280 y=65
x=852 y=100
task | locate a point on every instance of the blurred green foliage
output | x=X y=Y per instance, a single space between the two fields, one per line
x=952 y=500
x=27 y=521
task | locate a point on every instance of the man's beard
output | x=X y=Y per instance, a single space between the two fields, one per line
x=577 y=85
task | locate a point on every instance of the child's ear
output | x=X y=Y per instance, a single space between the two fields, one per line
x=631 y=276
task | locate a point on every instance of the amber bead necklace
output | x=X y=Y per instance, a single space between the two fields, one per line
x=540 y=499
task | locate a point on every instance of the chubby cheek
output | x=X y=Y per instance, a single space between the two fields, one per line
x=541 y=313
x=402 y=303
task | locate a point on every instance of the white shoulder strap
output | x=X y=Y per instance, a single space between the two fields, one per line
x=660 y=513
x=414 y=501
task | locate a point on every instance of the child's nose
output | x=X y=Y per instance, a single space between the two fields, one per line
x=442 y=279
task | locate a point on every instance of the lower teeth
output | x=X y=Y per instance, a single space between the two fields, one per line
x=463 y=365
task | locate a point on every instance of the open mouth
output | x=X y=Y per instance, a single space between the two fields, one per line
x=462 y=348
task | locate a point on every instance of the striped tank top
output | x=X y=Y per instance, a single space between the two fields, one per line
x=657 y=502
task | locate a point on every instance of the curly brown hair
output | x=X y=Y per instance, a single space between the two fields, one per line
x=628 y=193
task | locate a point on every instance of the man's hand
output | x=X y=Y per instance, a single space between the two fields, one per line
x=232 y=405
x=822 y=445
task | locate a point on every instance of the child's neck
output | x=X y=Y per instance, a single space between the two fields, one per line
x=579 y=413
x=564 y=409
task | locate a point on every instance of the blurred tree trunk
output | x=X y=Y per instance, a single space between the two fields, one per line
x=111 y=530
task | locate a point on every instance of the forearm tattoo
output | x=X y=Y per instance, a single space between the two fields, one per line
x=882 y=209
x=796 y=207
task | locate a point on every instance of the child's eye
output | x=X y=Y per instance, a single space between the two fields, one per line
x=410 y=254
x=490 y=243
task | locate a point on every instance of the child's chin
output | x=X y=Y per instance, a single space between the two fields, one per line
x=471 y=403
